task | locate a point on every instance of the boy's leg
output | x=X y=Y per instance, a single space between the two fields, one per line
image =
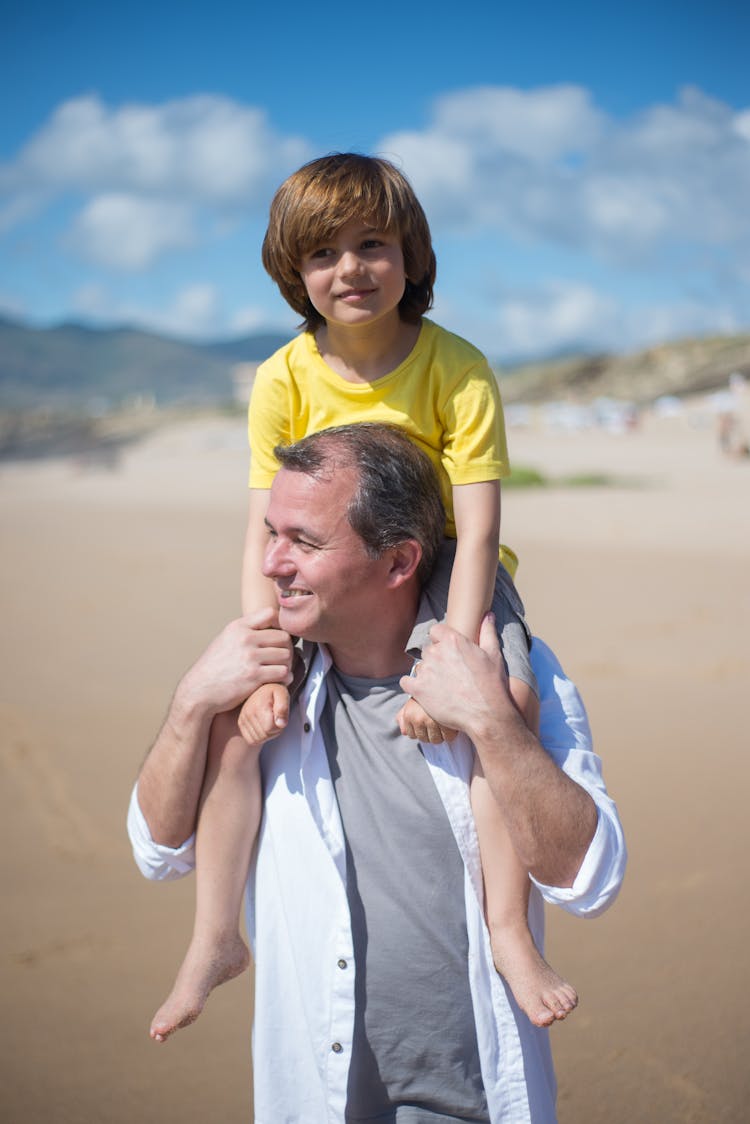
x=539 y=991
x=228 y=823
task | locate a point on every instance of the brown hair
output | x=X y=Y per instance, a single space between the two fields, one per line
x=397 y=495
x=316 y=201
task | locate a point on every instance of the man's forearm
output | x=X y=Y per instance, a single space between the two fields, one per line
x=248 y=652
x=550 y=818
x=170 y=780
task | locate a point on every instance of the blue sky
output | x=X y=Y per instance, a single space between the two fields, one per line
x=585 y=168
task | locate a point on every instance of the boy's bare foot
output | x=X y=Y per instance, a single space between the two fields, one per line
x=538 y=990
x=206 y=965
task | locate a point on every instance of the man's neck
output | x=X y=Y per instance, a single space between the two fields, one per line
x=364 y=665
x=377 y=650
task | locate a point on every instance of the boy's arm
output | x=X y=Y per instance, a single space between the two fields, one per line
x=257 y=591
x=477 y=514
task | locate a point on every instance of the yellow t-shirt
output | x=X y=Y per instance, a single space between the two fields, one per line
x=443 y=395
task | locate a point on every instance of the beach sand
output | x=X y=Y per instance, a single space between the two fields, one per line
x=114 y=577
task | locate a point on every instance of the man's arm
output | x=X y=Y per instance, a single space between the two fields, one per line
x=550 y=818
x=248 y=652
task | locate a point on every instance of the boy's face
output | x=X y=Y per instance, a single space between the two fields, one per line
x=357 y=277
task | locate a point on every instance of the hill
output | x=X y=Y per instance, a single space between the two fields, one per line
x=72 y=367
x=679 y=368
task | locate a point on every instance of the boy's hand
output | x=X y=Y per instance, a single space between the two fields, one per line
x=415 y=722
x=265 y=714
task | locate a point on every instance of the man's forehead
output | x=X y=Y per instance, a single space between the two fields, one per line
x=314 y=499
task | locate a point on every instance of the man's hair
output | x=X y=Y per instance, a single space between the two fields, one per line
x=397 y=495
x=315 y=202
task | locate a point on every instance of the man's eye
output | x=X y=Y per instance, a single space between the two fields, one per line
x=305 y=545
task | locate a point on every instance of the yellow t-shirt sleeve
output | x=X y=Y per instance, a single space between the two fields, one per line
x=268 y=423
x=474 y=445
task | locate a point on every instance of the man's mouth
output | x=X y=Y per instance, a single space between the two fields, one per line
x=289 y=594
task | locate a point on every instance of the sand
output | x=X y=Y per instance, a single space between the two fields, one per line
x=114 y=576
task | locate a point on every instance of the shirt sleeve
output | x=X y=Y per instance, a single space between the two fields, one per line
x=268 y=422
x=565 y=733
x=155 y=861
x=475 y=447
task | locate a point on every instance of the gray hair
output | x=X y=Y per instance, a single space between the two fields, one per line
x=398 y=493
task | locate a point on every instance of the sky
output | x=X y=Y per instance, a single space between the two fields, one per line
x=585 y=168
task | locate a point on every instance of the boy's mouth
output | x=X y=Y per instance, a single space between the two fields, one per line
x=355 y=294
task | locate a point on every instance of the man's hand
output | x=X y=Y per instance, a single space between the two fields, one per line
x=462 y=685
x=249 y=652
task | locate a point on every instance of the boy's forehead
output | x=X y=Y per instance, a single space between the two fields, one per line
x=322 y=227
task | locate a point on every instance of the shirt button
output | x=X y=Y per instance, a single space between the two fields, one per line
x=337 y=1048
x=306 y=727
x=341 y=963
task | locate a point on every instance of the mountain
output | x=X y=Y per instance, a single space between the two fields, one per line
x=73 y=366
x=682 y=367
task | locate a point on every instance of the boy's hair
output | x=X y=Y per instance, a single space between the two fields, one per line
x=315 y=202
x=398 y=493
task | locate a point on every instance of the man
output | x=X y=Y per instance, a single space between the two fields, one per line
x=376 y=995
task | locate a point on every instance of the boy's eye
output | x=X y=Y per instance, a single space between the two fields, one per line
x=371 y=244
x=321 y=252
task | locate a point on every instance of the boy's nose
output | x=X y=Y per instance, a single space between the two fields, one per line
x=350 y=263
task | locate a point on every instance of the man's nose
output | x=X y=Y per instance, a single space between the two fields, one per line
x=275 y=559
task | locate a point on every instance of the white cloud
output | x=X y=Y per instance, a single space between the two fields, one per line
x=559 y=315
x=11 y=306
x=127 y=232
x=547 y=164
x=540 y=125
x=207 y=148
x=555 y=315
x=146 y=173
x=248 y=319
x=194 y=311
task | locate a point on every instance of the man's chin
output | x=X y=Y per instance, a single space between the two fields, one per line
x=297 y=622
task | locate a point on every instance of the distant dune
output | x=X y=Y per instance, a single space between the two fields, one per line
x=679 y=368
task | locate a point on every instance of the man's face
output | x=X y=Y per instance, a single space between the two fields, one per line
x=326 y=585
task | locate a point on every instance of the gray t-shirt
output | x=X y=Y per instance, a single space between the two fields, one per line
x=415 y=1057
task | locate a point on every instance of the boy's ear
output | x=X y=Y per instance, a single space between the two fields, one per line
x=405 y=559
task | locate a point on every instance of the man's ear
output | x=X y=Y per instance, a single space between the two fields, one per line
x=405 y=559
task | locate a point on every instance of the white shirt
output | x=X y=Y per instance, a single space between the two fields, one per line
x=300 y=930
